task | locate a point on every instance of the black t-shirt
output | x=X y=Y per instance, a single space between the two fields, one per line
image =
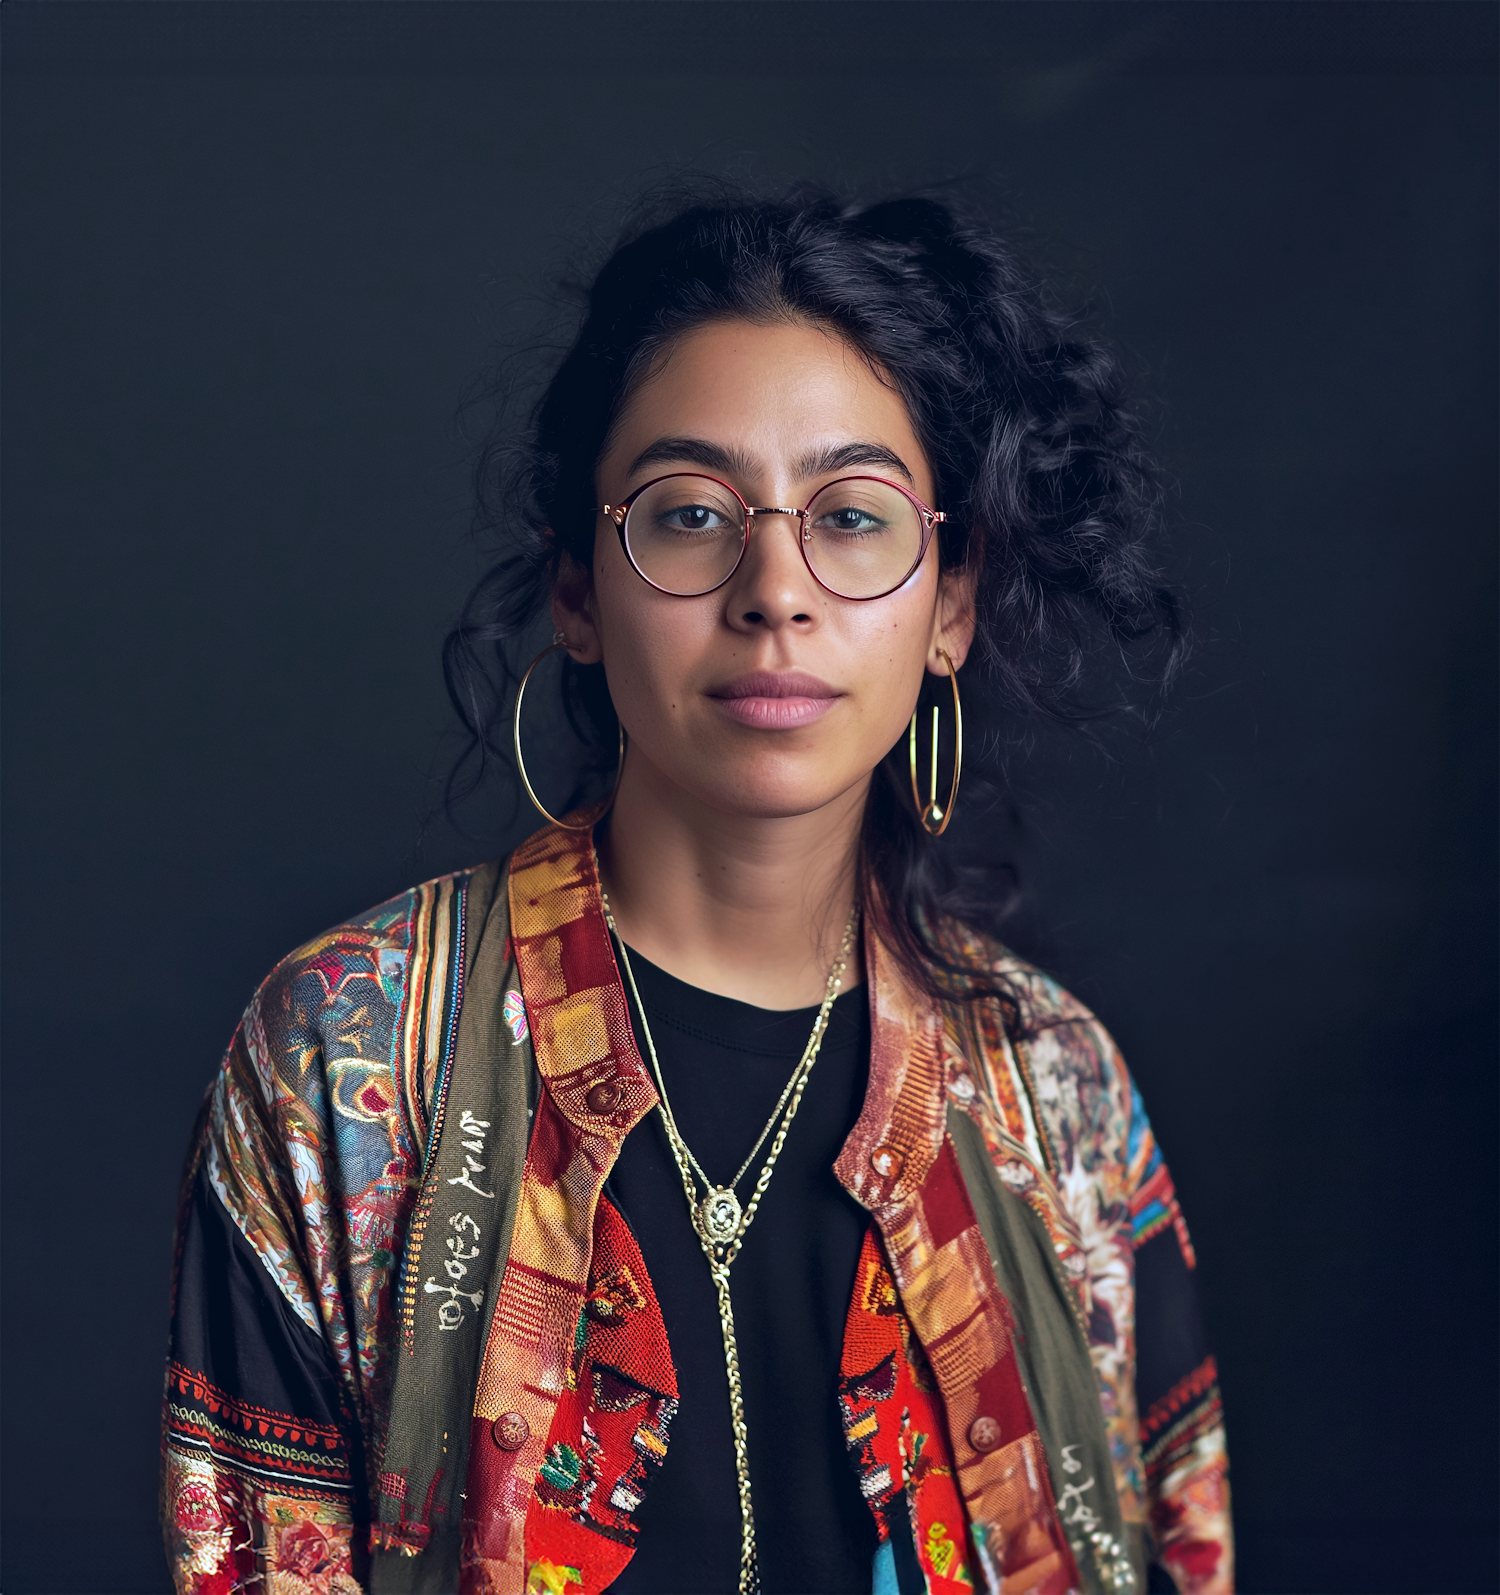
x=725 y=1063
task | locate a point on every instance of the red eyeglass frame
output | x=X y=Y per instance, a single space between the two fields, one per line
x=930 y=518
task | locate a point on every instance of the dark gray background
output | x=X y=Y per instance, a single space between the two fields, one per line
x=256 y=255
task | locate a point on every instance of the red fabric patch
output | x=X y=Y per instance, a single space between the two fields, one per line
x=586 y=952
x=896 y=1428
x=552 y=1143
x=609 y=1432
x=1002 y=1396
x=1196 y=1558
x=945 y=1201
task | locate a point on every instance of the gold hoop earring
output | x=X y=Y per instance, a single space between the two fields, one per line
x=934 y=817
x=515 y=732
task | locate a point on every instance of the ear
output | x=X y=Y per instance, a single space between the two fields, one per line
x=573 y=611
x=953 y=619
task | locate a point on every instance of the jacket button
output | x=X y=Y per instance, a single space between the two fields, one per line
x=510 y=1431
x=984 y=1434
x=605 y=1097
x=886 y=1161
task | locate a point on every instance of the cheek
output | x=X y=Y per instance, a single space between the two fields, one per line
x=891 y=639
x=884 y=663
x=651 y=643
x=623 y=610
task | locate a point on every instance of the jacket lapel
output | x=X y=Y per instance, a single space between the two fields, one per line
x=899 y=1164
x=595 y=1089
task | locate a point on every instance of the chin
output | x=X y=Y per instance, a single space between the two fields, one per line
x=769 y=798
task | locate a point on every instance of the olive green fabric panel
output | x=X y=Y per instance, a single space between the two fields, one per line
x=470 y=1193
x=434 y=1572
x=1056 y=1370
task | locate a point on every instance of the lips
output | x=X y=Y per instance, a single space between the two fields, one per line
x=775 y=700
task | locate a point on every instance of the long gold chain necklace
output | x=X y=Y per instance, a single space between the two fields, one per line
x=718 y=1219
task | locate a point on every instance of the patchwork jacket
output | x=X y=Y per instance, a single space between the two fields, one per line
x=415 y=1348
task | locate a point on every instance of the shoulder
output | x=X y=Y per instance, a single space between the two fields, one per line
x=317 y=1119
x=370 y=956
x=1038 y=1006
x=1076 y=1071
x=356 y=1006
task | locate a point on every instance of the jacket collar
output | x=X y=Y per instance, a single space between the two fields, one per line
x=580 y=1021
x=899 y=1132
x=586 y=1050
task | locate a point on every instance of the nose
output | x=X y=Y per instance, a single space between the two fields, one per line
x=773 y=587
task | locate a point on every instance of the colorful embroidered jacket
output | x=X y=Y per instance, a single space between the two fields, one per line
x=415 y=1348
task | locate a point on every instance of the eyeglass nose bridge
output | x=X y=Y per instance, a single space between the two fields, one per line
x=752 y=510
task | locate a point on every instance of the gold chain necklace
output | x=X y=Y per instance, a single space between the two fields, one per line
x=718 y=1220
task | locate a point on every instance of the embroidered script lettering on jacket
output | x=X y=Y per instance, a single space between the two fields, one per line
x=1073 y=1509
x=1071 y=1506
x=451 y=1312
x=462 y=1248
x=472 y=1142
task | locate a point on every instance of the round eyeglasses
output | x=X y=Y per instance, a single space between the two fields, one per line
x=686 y=534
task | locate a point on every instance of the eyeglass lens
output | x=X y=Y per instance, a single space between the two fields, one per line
x=685 y=533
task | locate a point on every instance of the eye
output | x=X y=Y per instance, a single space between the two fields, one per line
x=683 y=512
x=850 y=520
x=697 y=518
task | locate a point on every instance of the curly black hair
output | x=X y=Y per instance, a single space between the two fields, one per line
x=1051 y=498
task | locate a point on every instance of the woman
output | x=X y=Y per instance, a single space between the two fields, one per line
x=693 y=1200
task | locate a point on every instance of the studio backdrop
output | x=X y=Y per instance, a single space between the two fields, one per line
x=263 y=263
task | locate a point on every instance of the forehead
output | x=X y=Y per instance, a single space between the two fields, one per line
x=769 y=391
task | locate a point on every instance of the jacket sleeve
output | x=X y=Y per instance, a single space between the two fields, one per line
x=261 y=1453
x=1177 y=1390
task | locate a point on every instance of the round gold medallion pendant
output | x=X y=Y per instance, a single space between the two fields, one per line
x=719 y=1216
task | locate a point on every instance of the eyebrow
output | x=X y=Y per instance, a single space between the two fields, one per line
x=735 y=462
x=843 y=456
x=694 y=451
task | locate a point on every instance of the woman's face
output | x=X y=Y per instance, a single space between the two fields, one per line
x=769 y=697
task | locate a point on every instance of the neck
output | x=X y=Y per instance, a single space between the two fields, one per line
x=748 y=907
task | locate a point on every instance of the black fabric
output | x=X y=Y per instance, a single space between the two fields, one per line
x=1169 y=1336
x=232 y=1326
x=725 y=1064
x=1159 y=1581
x=910 y=1579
